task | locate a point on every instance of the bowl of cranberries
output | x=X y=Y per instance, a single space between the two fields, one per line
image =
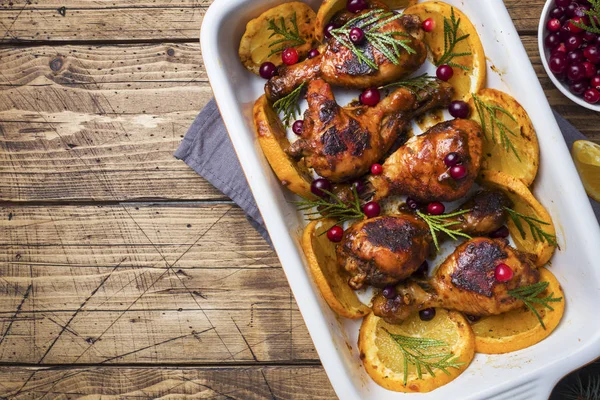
x=569 y=41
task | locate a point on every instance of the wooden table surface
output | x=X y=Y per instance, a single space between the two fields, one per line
x=123 y=274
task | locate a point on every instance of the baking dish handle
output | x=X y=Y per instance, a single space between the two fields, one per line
x=537 y=389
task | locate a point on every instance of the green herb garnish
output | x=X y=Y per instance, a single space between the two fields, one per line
x=332 y=207
x=489 y=111
x=529 y=296
x=534 y=226
x=594 y=16
x=451 y=39
x=386 y=42
x=412 y=350
x=415 y=84
x=440 y=223
x=288 y=105
x=291 y=38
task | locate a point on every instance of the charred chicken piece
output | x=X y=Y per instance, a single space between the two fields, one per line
x=384 y=250
x=417 y=169
x=341 y=143
x=339 y=66
x=464 y=282
x=486 y=214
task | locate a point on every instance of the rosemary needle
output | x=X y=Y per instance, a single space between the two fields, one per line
x=290 y=38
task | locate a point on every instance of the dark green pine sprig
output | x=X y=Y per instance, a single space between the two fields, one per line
x=417 y=352
x=530 y=295
x=387 y=43
x=489 y=111
x=594 y=17
x=288 y=105
x=415 y=84
x=451 y=39
x=290 y=37
x=440 y=223
x=535 y=227
x=332 y=207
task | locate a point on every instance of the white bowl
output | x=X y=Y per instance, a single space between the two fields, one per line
x=545 y=56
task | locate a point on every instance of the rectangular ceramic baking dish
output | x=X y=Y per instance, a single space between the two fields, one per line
x=526 y=374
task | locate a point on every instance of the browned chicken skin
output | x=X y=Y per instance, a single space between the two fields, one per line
x=381 y=251
x=417 y=169
x=339 y=66
x=341 y=144
x=464 y=282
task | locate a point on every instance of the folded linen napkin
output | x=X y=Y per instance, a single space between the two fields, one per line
x=208 y=137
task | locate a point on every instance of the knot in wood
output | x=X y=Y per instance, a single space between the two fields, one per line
x=171 y=52
x=56 y=64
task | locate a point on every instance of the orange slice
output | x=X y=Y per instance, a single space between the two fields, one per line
x=519 y=329
x=587 y=160
x=329 y=277
x=540 y=243
x=273 y=141
x=384 y=359
x=471 y=77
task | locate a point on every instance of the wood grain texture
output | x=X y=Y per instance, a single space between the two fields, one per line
x=232 y=383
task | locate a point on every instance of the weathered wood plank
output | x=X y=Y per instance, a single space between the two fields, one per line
x=143 y=20
x=244 y=383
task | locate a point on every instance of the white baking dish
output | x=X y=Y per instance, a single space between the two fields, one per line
x=526 y=374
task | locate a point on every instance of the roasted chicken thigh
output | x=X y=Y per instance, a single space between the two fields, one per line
x=339 y=65
x=418 y=170
x=464 y=282
x=341 y=143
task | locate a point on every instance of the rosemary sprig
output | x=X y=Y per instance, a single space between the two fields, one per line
x=333 y=207
x=424 y=361
x=288 y=105
x=415 y=84
x=489 y=111
x=530 y=296
x=534 y=226
x=290 y=38
x=451 y=39
x=386 y=42
x=594 y=16
x=439 y=223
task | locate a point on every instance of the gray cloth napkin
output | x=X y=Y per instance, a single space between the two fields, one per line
x=207 y=149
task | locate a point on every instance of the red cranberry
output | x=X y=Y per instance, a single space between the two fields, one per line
x=552 y=40
x=473 y=318
x=580 y=11
x=571 y=8
x=557 y=12
x=372 y=209
x=575 y=56
x=452 y=159
x=562 y=3
x=318 y=185
x=572 y=27
x=357 y=35
x=590 y=37
x=578 y=87
x=356 y=6
x=503 y=273
x=459 y=109
x=458 y=172
x=444 y=72
x=313 y=53
x=376 y=169
x=427 y=314
x=561 y=48
x=328 y=28
x=412 y=203
x=575 y=72
x=554 y=25
x=500 y=233
x=389 y=292
x=592 y=96
x=297 y=127
x=573 y=42
x=359 y=185
x=267 y=70
x=590 y=69
x=428 y=25
x=370 y=97
x=592 y=53
x=558 y=63
x=290 y=56
x=595 y=82
x=335 y=234
x=436 y=208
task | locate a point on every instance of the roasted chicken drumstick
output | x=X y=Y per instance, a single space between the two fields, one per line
x=339 y=65
x=419 y=168
x=464 y=282
x=341 y=143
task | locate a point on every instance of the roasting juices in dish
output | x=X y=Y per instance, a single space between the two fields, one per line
x=440 y=226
